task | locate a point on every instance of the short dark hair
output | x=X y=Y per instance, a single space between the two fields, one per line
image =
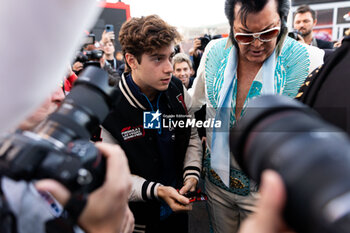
x=253 y=6
x=146 y=35
x=304 y=9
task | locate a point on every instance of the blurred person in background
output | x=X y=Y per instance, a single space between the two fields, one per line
x=120 y=58
x=197 y=50
x=108 y=55
x=304 y=22
x=182 y=66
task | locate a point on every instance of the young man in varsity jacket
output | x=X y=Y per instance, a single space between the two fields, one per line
x=166 y=161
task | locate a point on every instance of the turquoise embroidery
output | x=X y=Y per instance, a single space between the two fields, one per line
x=214 y=70
x=292 y=68
x=255 y=89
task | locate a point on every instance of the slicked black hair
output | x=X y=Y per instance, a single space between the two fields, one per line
x=254 y=6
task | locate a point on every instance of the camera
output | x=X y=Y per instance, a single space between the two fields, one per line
x=60 y=147
x=204 y=41
x=177 y=49
x=89 y=57
x=312 y=157
x=294 y=34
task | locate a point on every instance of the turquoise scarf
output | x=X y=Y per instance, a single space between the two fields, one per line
x=220 y=159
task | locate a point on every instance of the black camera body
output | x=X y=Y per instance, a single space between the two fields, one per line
x=78 y=166
x=294 y=34
x=89 y=57
x=204 y=41
x=60 y=148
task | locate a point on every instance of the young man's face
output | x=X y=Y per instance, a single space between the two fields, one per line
x=303 y=22
x=183 y=72
x=153 y=73
x=267 y=18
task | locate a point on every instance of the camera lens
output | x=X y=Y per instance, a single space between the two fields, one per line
x=83 y=109
x=312 y=157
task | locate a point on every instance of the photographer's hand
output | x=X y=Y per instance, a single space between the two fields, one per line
x=107 y=206
x=268 y=217
x=176 y=201
x=77 y=66
x=129 y=222
x=301 y=39
x=196 y=45
x=106 y=37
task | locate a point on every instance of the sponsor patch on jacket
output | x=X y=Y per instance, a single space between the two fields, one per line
x=132 y=132
x=53 y=206
x=180 y=98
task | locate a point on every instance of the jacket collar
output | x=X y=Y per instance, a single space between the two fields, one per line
x=130 y=90
x=133 y=93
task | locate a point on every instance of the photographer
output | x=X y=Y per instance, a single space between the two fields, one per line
x=199 y=45
x=304 y=22
x=92 y=54
x=22 y=89
x=61 y=193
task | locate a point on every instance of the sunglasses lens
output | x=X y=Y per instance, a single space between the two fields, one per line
x=269 y=35
x=244 y=38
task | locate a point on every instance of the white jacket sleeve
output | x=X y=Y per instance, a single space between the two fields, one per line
x=193 y=157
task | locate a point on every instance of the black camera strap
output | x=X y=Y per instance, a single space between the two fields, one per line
x=75 y=206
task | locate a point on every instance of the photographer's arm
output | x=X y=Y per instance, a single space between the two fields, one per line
x=107 y=206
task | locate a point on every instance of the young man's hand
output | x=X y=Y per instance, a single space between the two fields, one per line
x=175 y=200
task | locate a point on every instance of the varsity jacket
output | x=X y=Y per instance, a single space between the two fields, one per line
x=125 y=125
